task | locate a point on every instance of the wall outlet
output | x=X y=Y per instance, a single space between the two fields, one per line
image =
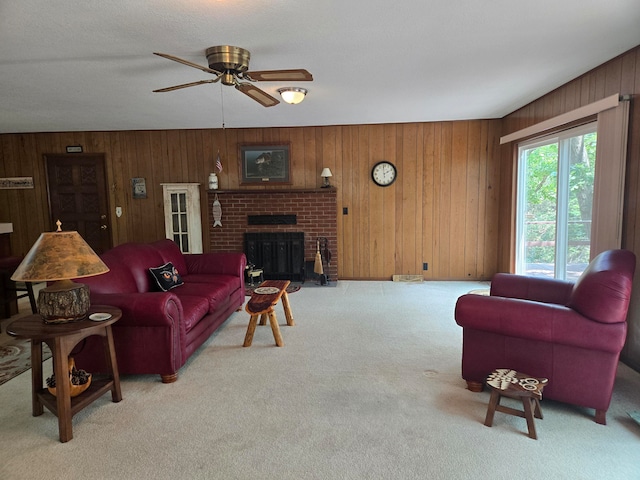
x=425 y=266
x=345 y=210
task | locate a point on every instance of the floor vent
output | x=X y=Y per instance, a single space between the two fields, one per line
x=408 y=278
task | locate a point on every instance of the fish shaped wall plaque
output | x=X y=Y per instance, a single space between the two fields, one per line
x=217 y=212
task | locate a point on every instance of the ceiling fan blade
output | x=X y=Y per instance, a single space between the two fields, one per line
x=297 y=75
x=187 y=63
x=258 y=95
x=185 y=85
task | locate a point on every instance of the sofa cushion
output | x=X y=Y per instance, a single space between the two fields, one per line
x=166 y=276
x=194 y=309
x=223 y=285
x=230 y=281
x=213 y=292
x=170 y=252
x=138 y=257
x=118 y=279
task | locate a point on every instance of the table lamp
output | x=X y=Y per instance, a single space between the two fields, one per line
x=58 y=257
x=326 y=173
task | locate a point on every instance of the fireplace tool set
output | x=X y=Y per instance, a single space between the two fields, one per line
x=322 y=254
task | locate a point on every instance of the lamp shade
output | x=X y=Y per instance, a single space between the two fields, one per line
x=292 y=95
x=58 y=257
x=326 y=173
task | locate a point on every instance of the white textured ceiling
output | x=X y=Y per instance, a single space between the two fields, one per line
x=88 y=65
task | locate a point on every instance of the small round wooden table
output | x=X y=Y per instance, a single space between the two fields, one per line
x=61 y=339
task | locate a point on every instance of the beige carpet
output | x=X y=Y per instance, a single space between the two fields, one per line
x=367 y=386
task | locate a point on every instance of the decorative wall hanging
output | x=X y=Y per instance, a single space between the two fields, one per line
x=217 y=212
x=262 y=163
x=139 y=187
x=16 y=182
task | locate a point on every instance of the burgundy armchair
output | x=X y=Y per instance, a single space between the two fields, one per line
x=570 y=333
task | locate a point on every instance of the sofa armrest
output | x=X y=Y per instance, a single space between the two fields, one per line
x=538 y=289
x=151 y=309
x=538 y=321
x=227 y=263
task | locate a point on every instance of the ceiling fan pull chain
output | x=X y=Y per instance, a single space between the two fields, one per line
x=222 y=106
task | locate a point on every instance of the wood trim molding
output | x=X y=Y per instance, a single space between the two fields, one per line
x=568 y=117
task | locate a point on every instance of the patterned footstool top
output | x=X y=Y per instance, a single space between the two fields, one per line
x=516 y=383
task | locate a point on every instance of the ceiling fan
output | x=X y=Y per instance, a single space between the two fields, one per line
x=230 y=65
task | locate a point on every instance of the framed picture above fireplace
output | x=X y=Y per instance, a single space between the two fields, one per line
x=265 y=163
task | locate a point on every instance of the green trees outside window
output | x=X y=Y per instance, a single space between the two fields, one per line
x=555 y=199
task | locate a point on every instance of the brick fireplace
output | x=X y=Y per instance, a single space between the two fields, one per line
x=312 y=211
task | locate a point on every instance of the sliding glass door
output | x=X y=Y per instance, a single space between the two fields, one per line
x=554 y=204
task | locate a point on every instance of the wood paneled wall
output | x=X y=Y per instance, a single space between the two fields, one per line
x=443 y=208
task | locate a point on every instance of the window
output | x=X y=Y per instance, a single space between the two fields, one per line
x=555 y=203
x=180 y=227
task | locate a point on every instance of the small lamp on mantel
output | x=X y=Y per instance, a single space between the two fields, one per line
x=326 y=173
x=58 y=257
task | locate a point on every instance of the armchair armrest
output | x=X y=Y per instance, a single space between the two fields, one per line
x=538 y=321
x=538 y=289
x=227 y=263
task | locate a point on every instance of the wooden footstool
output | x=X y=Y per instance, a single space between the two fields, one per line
x=261 y=304
x=512 y=384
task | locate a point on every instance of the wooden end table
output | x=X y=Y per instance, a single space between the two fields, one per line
x=61 y=339
x=512 y=384
x=261 y=305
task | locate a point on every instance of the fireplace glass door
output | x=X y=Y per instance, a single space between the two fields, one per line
x=279 y=254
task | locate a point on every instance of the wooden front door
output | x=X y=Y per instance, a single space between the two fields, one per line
x=77 y=189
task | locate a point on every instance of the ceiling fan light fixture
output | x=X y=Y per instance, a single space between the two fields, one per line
x=230 y=65
x=292 y=95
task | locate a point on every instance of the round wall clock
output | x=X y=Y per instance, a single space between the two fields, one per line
x=384 y=173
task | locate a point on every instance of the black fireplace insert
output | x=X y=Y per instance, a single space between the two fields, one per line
x=279 y=254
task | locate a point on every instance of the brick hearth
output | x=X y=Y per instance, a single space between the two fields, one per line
x=315 y=210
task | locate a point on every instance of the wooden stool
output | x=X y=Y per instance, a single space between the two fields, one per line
x=512 y=384
x=261 y=305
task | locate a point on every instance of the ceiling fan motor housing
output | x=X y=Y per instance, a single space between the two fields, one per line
x=228 y=59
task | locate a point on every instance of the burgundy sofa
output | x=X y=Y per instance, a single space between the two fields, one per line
x=160 y=330
x=571 y=334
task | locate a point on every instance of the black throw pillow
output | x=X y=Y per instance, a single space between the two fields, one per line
x=166 y=276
